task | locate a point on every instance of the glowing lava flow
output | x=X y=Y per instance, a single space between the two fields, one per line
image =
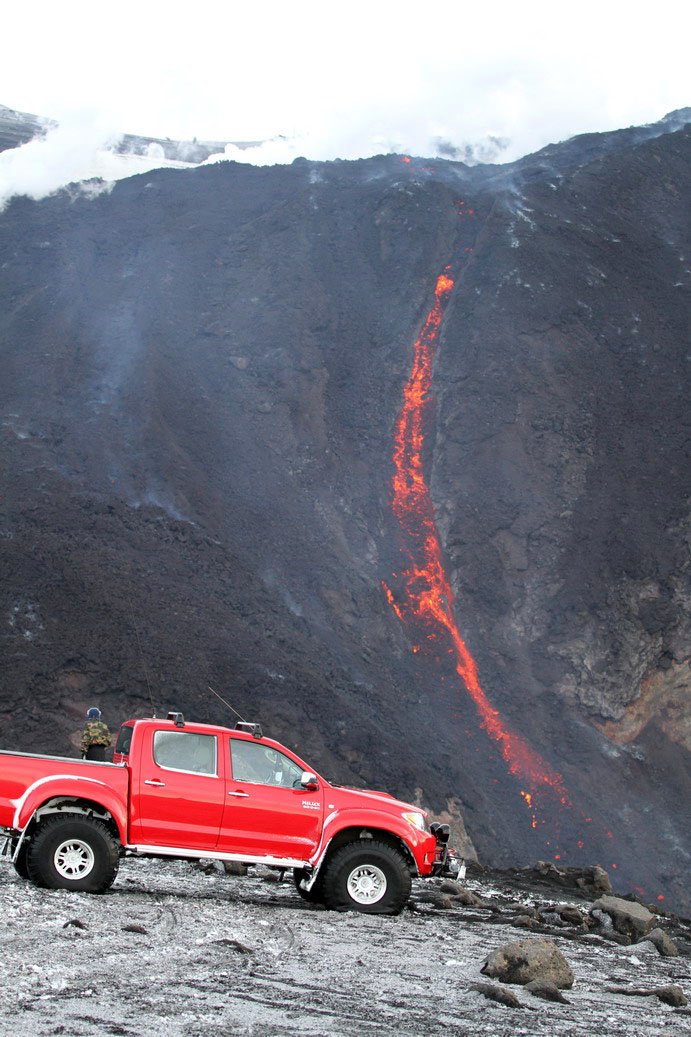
x=423 y=592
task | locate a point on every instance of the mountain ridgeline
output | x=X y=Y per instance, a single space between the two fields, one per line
x=203 y=375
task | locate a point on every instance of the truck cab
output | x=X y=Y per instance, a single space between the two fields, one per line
x=189 y=790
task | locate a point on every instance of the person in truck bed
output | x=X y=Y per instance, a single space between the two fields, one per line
x=96 y=737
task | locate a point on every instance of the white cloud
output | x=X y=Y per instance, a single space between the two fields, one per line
x=348 y=81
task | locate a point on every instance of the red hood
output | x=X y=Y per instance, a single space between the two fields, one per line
x=348 y=796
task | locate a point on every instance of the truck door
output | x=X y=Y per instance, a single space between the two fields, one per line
x=266 y=812
x=181 y=791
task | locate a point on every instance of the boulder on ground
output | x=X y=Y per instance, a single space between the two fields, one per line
x=467 y=898
x=589 y=880
x=670 y=995
x=599 y=879
x=234 y=868
x=664 y=943
x=441 y=901
x=207 y=867
x=527 y=960
x=570 y=914
x=629 y=917
x=549 y=917
x=499 y=994
x=451 y=886
x=460 y=894
x=525 y=922
x=547 y=991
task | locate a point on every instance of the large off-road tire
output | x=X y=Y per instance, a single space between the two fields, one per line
x=368 y=876
x=315 y=895
x=72 y=851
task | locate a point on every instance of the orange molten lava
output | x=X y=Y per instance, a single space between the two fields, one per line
x=424 y=593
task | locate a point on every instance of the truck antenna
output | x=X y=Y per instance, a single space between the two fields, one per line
x=143 y=661
x=225 y=703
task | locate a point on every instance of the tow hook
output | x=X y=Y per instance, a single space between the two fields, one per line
x=447 y=861
x=454 y=866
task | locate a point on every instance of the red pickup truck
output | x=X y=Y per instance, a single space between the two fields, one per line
x=187 y=790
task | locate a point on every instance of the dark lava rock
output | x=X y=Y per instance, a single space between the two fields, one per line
x=664 y=943
x=467 y=898
x=628 y=917
x=133 y=927
x=236 y=945
x=76 y=923
x=235 y=868
x=272 y=877
x=550 y=917
x=525 y=922
x=602 y=918
x=206 y=867
x=440 y=901
x=451 y=886
x=502 y=995
x=444 y=903
x=570 y=914
x=528 y=960
x=588 y=880
x=546 y=991
x=670 y=995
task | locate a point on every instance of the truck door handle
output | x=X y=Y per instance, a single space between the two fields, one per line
x=245 y=795
x=153 y=781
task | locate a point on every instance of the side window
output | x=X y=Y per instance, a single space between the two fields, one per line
x=185 y=751
x=262 y=765
x=124 y=740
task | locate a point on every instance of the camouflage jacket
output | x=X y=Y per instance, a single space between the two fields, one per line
x=95 y=733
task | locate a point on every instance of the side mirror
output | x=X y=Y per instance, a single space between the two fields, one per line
x=308 y=781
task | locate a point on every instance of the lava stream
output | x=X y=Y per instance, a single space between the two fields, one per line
x=423 y=592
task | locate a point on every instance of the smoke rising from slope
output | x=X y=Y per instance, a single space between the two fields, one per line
x=72 y=151
x=80 y=148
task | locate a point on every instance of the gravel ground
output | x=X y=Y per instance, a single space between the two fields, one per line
x=212 y=955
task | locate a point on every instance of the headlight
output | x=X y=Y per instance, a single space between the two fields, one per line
x=417 y=820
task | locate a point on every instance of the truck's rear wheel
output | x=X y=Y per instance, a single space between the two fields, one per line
x=367 y=876
x=72 y=851
x=20 y=865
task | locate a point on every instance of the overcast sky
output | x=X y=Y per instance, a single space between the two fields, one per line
x=348 y=79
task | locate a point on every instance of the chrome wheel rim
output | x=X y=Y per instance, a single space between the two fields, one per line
x=74 y=859
x=366 y=884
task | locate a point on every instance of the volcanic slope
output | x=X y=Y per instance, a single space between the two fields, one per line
x=203 y=372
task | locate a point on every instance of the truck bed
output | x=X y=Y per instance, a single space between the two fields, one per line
x=22 y=772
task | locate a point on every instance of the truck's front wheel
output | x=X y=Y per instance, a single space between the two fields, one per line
x=367 y=876
x=315 y=895
x=75 y=852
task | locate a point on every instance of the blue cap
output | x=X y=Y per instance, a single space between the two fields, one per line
x=93 y=714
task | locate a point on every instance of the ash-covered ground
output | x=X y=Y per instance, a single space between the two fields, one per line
x=173 y=951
